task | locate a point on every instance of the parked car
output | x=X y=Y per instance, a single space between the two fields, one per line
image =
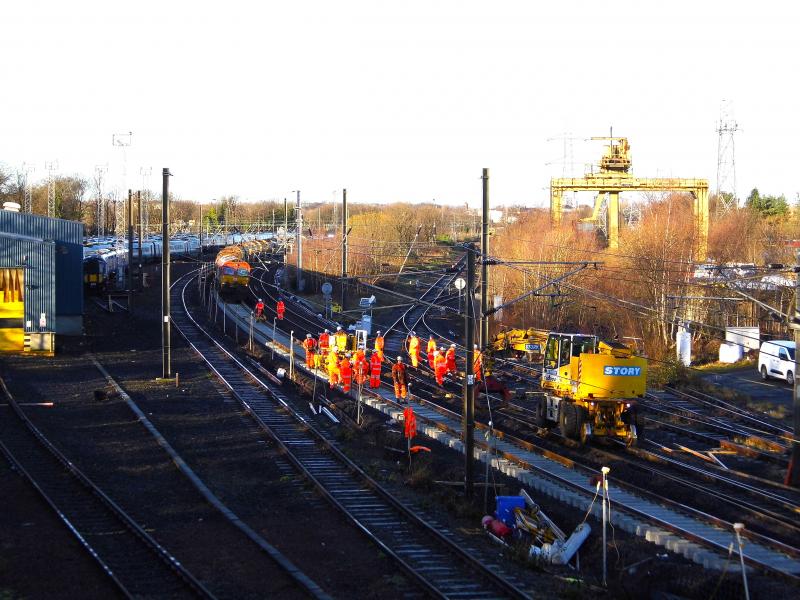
x=776 y=359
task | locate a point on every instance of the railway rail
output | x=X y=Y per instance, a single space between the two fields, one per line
x=428 y=553
x=757 y=498
x=137 y=564
x=784 y=557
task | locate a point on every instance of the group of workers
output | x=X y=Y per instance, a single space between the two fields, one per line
x=443 y=362
x=345 y=364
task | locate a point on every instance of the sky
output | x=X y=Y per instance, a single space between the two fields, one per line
x=396 y=101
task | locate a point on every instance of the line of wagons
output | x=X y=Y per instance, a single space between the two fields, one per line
x=105 y=264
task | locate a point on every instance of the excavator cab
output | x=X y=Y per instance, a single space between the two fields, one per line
x=558 y=354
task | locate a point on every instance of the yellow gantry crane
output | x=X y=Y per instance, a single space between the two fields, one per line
x=614 y=177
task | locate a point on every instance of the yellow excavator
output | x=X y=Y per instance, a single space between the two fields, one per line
x=520 y=343
x=590 y=388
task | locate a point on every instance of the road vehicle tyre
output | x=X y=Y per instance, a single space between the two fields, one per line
x=763 y=372
x=582 y=416
x=789 y=377
x=568 y=420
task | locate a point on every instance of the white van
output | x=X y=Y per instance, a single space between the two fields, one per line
x=776 y=359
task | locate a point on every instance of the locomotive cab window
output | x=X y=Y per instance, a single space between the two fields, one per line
x=227 y=271
x=243 y=272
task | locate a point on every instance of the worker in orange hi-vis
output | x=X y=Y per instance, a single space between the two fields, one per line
x=346 y=373
x=413 y=349
x=324 y=341
x=379 y=343
x=439 y=366
x=259 y=312
x=280 y=308
x=450 y=357
x=333 y=367
x=431 y=350
x=360 y=366
x=477 y=363
x=400 y=380
x=323 y=345
x=341 y=339
x=310 y=346
x=375 y=362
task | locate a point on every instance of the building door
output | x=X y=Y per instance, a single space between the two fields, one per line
x=12 y=310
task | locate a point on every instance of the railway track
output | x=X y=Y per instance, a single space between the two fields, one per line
x=428 y=553
x=737 y=428
x=759 y=499
x=782 y=511
x=138 y=565
x=395 y=337
x=779 y=508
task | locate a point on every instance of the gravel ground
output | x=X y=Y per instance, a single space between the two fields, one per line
x=39 y=558
x=214 y=436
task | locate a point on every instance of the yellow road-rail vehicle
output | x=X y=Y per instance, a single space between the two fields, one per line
x=590 y=388
x=232 y=273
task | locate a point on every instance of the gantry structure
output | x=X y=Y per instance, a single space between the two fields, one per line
x=614 y=177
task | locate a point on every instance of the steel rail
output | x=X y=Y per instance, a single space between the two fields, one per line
x=764 y=513
x=135 y=562
x=699 y=397
x=757 y=511
x=572 y=464
x=362 y=499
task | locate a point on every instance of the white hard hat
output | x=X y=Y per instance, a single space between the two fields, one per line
x=378 y=333
x=453 y=346
x=308 y=335
x=475 y=345
x=260 y=300
x=413 y=333
x=326 y=331
x=348 y=355
x=339 y=328
x=399 y=359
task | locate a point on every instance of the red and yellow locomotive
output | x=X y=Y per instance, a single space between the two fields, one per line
x=232 y=273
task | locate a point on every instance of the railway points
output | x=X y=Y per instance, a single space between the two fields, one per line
x=679 y=531
x=685 y=532
x=425 y=553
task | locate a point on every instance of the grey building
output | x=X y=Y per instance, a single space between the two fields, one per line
x=41 y=283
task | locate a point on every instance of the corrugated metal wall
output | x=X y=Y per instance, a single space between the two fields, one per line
x=40 y=277
x=68 y=237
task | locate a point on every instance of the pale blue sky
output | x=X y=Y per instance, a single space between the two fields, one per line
x=396 y=100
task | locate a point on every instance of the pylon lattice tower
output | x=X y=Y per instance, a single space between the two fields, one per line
x=51 y=187
x=145 y=172
x=726 y=160
x=100 y=171
x=123 y=141
x=567 y=162
x=27 y=193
